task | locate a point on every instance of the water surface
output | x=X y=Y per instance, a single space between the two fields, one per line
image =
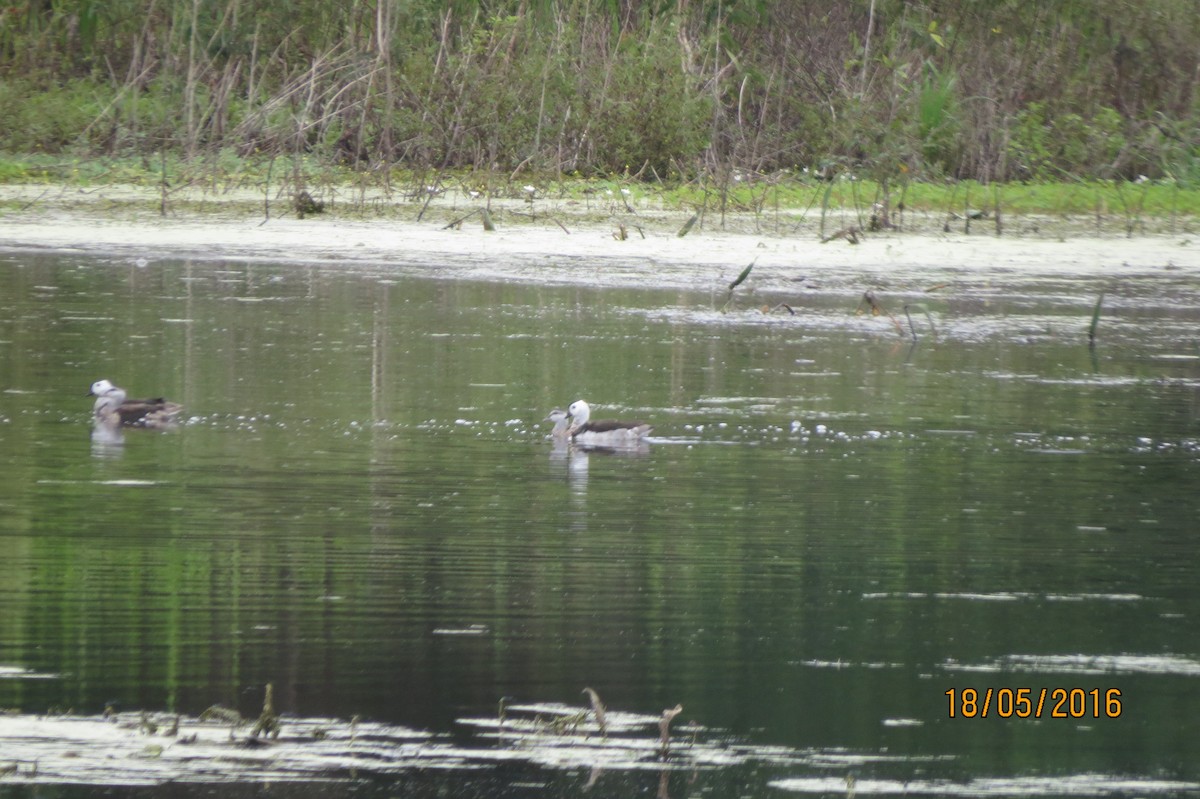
x=831 y=528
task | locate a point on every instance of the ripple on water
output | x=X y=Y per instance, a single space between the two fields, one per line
x=1055 y=785
x=1005 y=596
x=1160 y=664
x=19 y=673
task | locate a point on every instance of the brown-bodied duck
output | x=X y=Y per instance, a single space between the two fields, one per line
x=113 y=409
x=561 y=422
x=604 y=432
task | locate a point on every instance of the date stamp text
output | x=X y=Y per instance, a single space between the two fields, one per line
x=1035 y=703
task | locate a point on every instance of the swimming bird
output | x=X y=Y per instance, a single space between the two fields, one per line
x=559 y=417
x=112 y=408
x=603 y=433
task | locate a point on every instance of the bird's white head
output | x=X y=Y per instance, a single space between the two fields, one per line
x=580 y=412
x=108 y=398
x=101 y=388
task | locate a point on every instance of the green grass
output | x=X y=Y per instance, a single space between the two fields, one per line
x=794 y=192
x=1063 y=198
x=1108 y=197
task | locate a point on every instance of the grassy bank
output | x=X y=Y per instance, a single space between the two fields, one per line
x=680 y=91
x=785 y=198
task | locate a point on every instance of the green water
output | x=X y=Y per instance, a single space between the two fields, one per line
x=831 y=527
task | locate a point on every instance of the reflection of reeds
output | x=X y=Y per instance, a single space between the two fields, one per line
x=919 y=307
x=1095 y=320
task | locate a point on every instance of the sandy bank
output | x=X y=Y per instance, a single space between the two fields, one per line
x=572 y=242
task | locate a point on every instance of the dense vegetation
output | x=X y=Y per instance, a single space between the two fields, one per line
x=992 y=91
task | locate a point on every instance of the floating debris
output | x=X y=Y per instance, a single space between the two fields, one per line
x=151 y=748
x=850 y=234
x=137 y=748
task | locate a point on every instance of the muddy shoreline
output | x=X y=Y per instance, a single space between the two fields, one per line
x=561 y=241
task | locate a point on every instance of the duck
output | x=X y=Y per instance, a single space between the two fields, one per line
x=605 y=432
x=113 y=409
x=560 y=419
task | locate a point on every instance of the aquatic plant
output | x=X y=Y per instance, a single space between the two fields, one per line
x=688 y=225
x=741 y=278
x=268 y=720
x=597 y=710
x=227 y=715
x=664 y=728
x=871 y=303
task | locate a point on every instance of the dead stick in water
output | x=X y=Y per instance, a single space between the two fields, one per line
x=268 y=721
x=461 y=219
x=1095 y=320
x=664 y=728
x=598 y=709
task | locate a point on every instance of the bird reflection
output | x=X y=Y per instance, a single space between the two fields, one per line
x=572 y=462
x=571 y=457
x=577 y=470
x=108 y=440
x=577 y=460
x=631 y=449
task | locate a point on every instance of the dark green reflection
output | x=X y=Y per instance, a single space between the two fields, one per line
x=832 y=529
